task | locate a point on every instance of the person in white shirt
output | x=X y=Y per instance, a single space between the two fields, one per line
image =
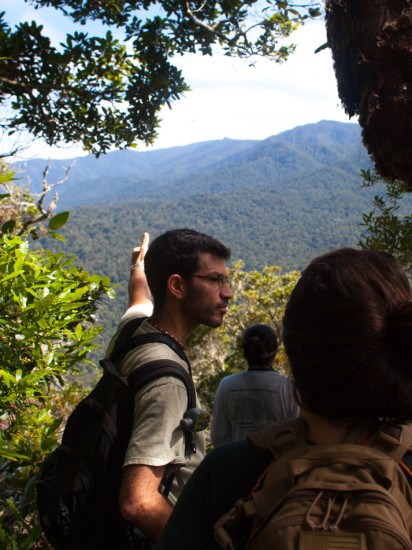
x=250 y=399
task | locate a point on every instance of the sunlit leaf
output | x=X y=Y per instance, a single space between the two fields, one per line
x=59 y=220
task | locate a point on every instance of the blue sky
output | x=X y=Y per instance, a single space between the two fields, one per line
x=228 y=98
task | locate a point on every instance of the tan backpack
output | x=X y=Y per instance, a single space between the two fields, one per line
x=325 y=497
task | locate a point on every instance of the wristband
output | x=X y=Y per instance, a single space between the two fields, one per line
x=138 y=264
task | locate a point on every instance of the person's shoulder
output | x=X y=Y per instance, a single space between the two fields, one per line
x=243 y=452
x=230 y=378
x=160 y=350
x=150 y=351
x=268 y=375
x=230 y=472
x=277 y=375
x=133 y=312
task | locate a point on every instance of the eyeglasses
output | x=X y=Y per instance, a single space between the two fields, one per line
x=221 y=281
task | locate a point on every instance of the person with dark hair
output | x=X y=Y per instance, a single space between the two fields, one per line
x=350 y=317
x=347 y=331
x=186 y=274
x=250 y=399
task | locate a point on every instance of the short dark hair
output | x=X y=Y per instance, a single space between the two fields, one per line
x=259 y=345
x=177 y=251
x=347 y=331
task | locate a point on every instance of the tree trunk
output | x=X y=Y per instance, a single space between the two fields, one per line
x=371 y=42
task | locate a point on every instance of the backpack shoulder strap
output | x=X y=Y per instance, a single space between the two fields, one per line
x=393 y=440
x=153 y=369
x=162 y=367
x=234 y=528
x=128 y=330
x=280 y=437
x=119 y=352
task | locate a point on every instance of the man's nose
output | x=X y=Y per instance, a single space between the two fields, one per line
x=226 y=292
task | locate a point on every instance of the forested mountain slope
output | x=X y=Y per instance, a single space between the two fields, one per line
x=96 y=180
x=214 y=166
x=279 y=201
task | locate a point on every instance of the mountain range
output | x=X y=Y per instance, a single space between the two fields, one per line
x=278 y=201
x=208 y=167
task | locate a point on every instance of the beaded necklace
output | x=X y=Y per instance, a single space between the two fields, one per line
x=168 y=334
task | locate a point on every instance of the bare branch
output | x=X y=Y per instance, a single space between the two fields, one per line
x=199 y=8
x=48 y=186
x=210 y=28
x=29 y=210
x=12 y=82
x=11 y=153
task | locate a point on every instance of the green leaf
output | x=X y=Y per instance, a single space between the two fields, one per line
x=56 y=236
x=59 y=220
x=11 y=455
x=54 y=426
x=7 y=377
x=8 y=226
x=7 y=177
x=111 y=294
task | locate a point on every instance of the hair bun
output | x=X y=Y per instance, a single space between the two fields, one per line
x=253 y=345
x=259 y=344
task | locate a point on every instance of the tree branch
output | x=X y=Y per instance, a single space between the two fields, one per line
x=46 y=213
x=12 y=82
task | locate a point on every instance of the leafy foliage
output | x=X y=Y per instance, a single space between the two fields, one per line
x=47 y=308
x=96 y=91
x=387 y=226
x=39 y=432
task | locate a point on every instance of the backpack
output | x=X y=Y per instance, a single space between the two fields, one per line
x=77 y=491
x=325 y=497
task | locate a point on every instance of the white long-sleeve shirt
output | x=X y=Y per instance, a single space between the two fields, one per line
x=248 y=400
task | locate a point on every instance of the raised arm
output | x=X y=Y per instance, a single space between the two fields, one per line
x=139 y=292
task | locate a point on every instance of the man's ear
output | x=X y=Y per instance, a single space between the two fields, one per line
x=176 y=285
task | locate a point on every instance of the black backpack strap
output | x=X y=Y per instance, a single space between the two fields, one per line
x=147 y=372
x=166 y=367
x=120 y=351
x=109 y=367
x=162 y=367
x=128 y=330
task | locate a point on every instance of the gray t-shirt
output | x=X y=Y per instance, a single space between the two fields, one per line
x=157 y=439
x=248 y=400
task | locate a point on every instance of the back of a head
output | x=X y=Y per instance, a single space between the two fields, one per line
x=177 y=252
x=259 y=345
x=347 y=332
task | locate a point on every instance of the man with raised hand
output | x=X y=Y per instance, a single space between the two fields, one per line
x=186 y=273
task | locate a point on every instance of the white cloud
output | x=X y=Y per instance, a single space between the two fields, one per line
x=231 y=99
